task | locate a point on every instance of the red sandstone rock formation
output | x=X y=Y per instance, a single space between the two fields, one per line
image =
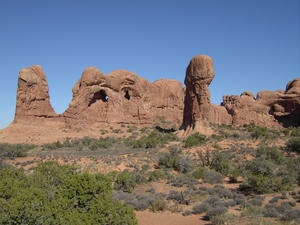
x=269 y=108
x=32 y=96
x=119 y=97
x=198 y=112
x=123 y=97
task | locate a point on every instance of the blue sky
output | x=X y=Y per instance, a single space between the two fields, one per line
x=255 y=44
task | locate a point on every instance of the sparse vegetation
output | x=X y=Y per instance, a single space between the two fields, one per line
x=259 y=160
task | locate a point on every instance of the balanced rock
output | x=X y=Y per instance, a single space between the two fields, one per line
x=198 y=112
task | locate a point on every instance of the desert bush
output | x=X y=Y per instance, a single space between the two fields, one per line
x=271 y=211
x=139 y=204
x=140 y=177
x=125 y=181
x=173 y=159
x=265 y=176
x=220 y=163
x=187 y=213
x=183 y=180
x=158 y=204
x=14 y=150
x=145 y=167
x=221 y=192
x=154 y=139
x=204 y=158
x=221 y=219
x=213 y=200
x=274 y=199
x=293 y=144
x=185 y=164
x=201 y=208
x=194 y=140
x=288 y=204
x=291 y=214
x=229 y=203
x=174 y=195
x=271 y=153
x=261 y=177
x=293 y=169
x=56 y=194
x=234 y=174
x=156 y=175
x=213 y=177
x=177 y=197
x=295 y=132
x=198 y=173
x=151 y=190
x=122 y=196
x=252 y=210
x=260 y=132
x=210 y=214
x=256 y=201
x=239 y=198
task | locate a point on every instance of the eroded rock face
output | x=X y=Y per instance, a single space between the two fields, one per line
x=123 y=97
x=198 y=112
x=269 y=108
x=120 y=97
x=32 y=96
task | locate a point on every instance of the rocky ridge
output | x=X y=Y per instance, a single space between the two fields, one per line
x=122 y=97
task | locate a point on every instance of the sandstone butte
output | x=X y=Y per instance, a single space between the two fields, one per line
x=122 y=97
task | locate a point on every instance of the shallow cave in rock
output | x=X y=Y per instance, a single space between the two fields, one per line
x=127 y=96
x=100 y=95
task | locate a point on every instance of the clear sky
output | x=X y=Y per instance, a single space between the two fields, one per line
x=255 y=44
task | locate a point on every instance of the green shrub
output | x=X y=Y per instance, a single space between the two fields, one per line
x=220 y=163
x=270 y=153
x=260 y=132
x=194 y=140
x=198 y=173
x=172 y=159
x=293 y=144
x=125 y=181
x=56 y=194
x=264 y=176
x=213 y=177
x=200 y=208
x=212 y=213
x=156 y=175
x=295 y=132
x=158 y=204
x=253 y=211
x=14 y=150
x=154 y=139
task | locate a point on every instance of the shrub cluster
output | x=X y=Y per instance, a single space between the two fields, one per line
x=92 y=143
x=153 y=140
x=270 y=172
x=194 y=140
x=14 y=150
x=57 y=194
x=293 y=145
x=173 y=159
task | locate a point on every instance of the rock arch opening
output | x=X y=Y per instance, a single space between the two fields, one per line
x=100 y=95
x=127 y=95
